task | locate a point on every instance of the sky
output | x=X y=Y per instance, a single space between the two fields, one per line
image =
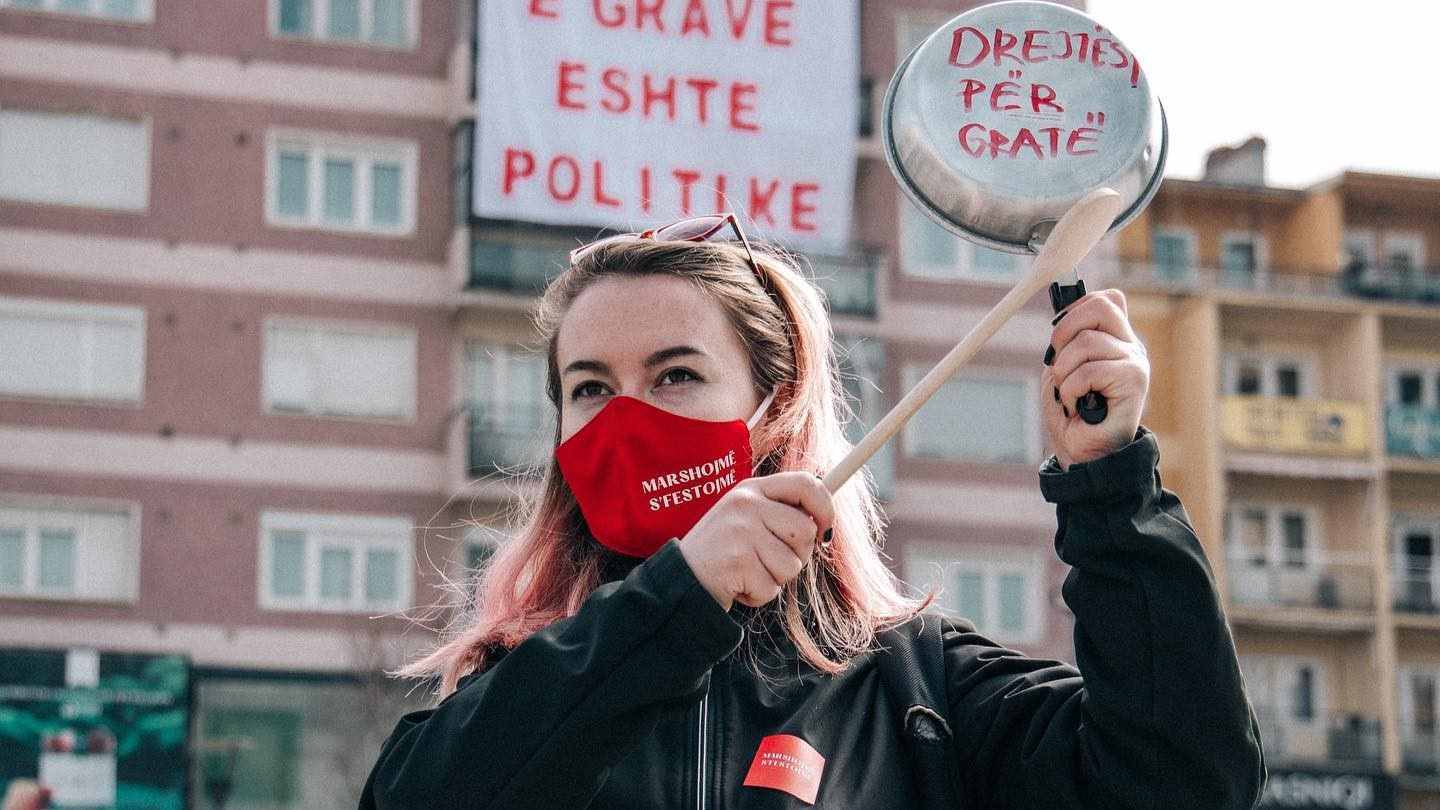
x=1329 y=86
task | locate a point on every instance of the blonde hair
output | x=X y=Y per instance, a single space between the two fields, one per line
x=833 y=609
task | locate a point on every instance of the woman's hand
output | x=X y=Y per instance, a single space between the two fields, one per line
x=758 y=537
x=1094 y=350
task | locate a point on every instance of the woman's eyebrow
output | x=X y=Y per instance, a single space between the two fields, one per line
x=654 y=359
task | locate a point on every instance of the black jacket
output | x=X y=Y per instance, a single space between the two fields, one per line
x=604 y=709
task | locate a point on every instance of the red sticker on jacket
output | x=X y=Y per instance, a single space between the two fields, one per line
x=788 y=763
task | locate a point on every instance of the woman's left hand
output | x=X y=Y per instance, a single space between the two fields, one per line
x=1094 y=350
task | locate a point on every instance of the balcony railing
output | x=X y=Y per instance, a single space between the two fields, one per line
x=848 y=282
x=1330 y=584
x=1420 y=751
x=1369 y=282
x=1341 y=739
x=1417 y=586
x=511 y=441
x=1286 y=425
x=514 y=266
x=1411 y=430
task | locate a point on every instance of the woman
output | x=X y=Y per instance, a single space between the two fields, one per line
x=627 y=653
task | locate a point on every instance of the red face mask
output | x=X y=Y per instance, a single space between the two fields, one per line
x=643 y=475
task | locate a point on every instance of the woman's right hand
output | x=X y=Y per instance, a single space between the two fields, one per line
x=758 y=537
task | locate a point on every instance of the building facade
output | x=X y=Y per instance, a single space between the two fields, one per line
x=267 y=390
x=1295 y=339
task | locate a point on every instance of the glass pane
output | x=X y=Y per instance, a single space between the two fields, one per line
x=1250 y=540
x=1411 y=389
x=1287 y=381
x=389 y=22
x=12 y=560
x=1423 y=689
x=1248 y=381
x=382 y=568
x=1304 y=706
x=73 y=6
x=974 y=420
x=385 y=194
x=335 y=573
x=932 y=251
x=344 y=19
x=1172 y=260
x=287 y=564
x=57 y=559
x=122 y=9
x=1012 y=602
x=293 y=184
x=1292 y=526
x=993 y=262
x=295 y=17
x=969 y=599
x=1239 y=258
x=267 y=771
x=339 y=191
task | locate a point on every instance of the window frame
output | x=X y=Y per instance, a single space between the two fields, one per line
x=1275 y=512
x=1429 y=373
x=145 y=122
x=1262 y=252
x=364 y=152
x=359 y=533
x=85 y=313
x=1404 y=523
x=1284 y=671
x=990 y=562
x=79 y=509
x=146 y=9
x=1184 y=234
x=1412 y=242
x=319 y=17
x=504 y=385
x=1406 y=696
x=964 y=266
x=317 y=326
x=1269 y=362
x=1031 y=413
x=1360 y=236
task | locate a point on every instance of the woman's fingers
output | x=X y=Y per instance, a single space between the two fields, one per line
x=791 y=527
x=803 y=491
x=1103 y=310
x=1113 y=378
x=1088 y=345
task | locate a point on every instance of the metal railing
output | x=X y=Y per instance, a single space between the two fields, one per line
x=513 y=440
x=1336 y=738
x=1411 y=430
x=1326 y=584
x=1421 y=285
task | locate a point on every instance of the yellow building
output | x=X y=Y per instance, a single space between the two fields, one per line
x=1295 y=339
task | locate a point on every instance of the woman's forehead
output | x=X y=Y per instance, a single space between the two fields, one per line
x=620 y=319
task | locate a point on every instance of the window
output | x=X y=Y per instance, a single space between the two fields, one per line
x=338 y=369
x=1402 y=253
x=66 y=350
x=68 y=553
x=1415 y=385
x=862 y=364
x=383 y=23
x=1285 y=691
x=1173 y=254
x=974 y=417
x=1242 y=258
x=511 y=419
x=1415 y=541
x=126 y=10
x=1001 y=593
x=340 y=183
x=929 y=251
x=74 y=159
x=269 y=765
x=1419 y=690
x=334 y=563
x=1249 y=374
x=1261 y=535
x=1359 y=248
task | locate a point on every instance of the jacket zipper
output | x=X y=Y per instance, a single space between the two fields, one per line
x=700 y=746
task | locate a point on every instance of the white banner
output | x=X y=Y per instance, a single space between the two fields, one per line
x=635 y=113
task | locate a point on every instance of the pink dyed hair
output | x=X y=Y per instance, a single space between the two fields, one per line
x=846 y=594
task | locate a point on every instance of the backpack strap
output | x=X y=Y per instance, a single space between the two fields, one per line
x=913 y=671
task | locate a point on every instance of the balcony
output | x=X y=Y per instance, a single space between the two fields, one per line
x=1420 y=752
x=513 y=266
x=1330 y=584
x=848 y=283
x=1287 y=425
x=513 y=441
x=1336 y=739
x=1362 y=282
x=1417 y=586
x=1411 y=430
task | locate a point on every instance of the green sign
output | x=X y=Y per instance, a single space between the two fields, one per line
x=102 y=730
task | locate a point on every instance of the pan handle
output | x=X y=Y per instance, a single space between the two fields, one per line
x=1092 y=407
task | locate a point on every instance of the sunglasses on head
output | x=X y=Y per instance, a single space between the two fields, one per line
x=694 y=229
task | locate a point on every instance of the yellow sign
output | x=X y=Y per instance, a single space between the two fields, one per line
x=1281 y=424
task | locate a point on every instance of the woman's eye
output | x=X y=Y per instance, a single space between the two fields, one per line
x=677 y=375
x=587 y=389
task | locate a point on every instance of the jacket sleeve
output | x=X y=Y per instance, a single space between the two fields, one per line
x=1156 y=715
x=543 y=726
